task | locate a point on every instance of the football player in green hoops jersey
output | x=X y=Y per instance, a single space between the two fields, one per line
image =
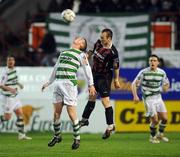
x=65 y=90
x=9 y=84
x=153 y=81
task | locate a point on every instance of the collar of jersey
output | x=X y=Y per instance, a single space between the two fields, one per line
x=75 y=50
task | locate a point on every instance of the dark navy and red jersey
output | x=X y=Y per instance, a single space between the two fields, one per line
x=104 y=58
x=102 y=67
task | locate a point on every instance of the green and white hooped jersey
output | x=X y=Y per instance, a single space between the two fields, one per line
x=68 y=63
x=9 y=78
x=151 y=81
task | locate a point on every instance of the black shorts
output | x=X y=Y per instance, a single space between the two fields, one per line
x=102 y=84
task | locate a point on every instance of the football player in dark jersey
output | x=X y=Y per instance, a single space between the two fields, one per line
x=105 y=66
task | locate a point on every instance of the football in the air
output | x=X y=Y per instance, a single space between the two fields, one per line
x=68 y=15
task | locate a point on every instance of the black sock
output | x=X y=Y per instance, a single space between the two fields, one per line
x=109 y=115
x=152 y=131
x=162 y=127
x=2 y=118
x=57 y=130
x=20 y=125
x=88 y=109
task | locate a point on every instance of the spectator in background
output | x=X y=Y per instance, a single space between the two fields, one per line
x=54 y=6
x=89 y=6
x=48 y=44
x=50 y=60
x=128 y=5
x=60 y=5
x=166 y=5
x=140 y=6
x=154 y=6
x=115 y=6
x=47 y=48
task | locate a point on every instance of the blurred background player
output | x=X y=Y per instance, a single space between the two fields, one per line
x=65 y=91
x=105 y=60
x=9 y=85
x=151 y=79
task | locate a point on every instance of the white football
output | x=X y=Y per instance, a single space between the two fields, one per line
x=68 y=15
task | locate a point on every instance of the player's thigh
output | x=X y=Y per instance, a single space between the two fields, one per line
x=17 y=106
x=70 y=93
x=104 y=87
x=161 y=109
x=9 y=104
x=150 y=107
x=161 y=106
x=57 y=95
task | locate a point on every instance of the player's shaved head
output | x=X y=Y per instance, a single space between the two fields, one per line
x=80 y=43
x=84 y=46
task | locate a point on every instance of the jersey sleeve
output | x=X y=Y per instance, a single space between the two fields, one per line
x=115 y=56
x=165 y=79
x=86 y=68
x=3 y=77
x=53 y=74
x=17 y=74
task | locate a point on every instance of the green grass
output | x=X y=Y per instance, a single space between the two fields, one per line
x=119 y=145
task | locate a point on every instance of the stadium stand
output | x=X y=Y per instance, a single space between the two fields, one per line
x=14 y=32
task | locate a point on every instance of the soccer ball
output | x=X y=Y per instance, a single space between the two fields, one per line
x=68 y=15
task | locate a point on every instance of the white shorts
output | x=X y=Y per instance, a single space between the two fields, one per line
x=10 y=104
x=65 y=92
x=153 y=105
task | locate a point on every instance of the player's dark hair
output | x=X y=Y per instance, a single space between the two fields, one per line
x=10 y=56
x=108 y=31
x=153 y=55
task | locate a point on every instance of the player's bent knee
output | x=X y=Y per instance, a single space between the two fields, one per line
x=155 y=122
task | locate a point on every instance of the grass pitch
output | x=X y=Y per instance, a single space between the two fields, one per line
x=118 y=145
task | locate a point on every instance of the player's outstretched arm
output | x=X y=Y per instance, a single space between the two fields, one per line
x=52 y=77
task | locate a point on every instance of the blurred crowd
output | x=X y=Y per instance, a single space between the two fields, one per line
x=98 y=6
x=45 y=55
